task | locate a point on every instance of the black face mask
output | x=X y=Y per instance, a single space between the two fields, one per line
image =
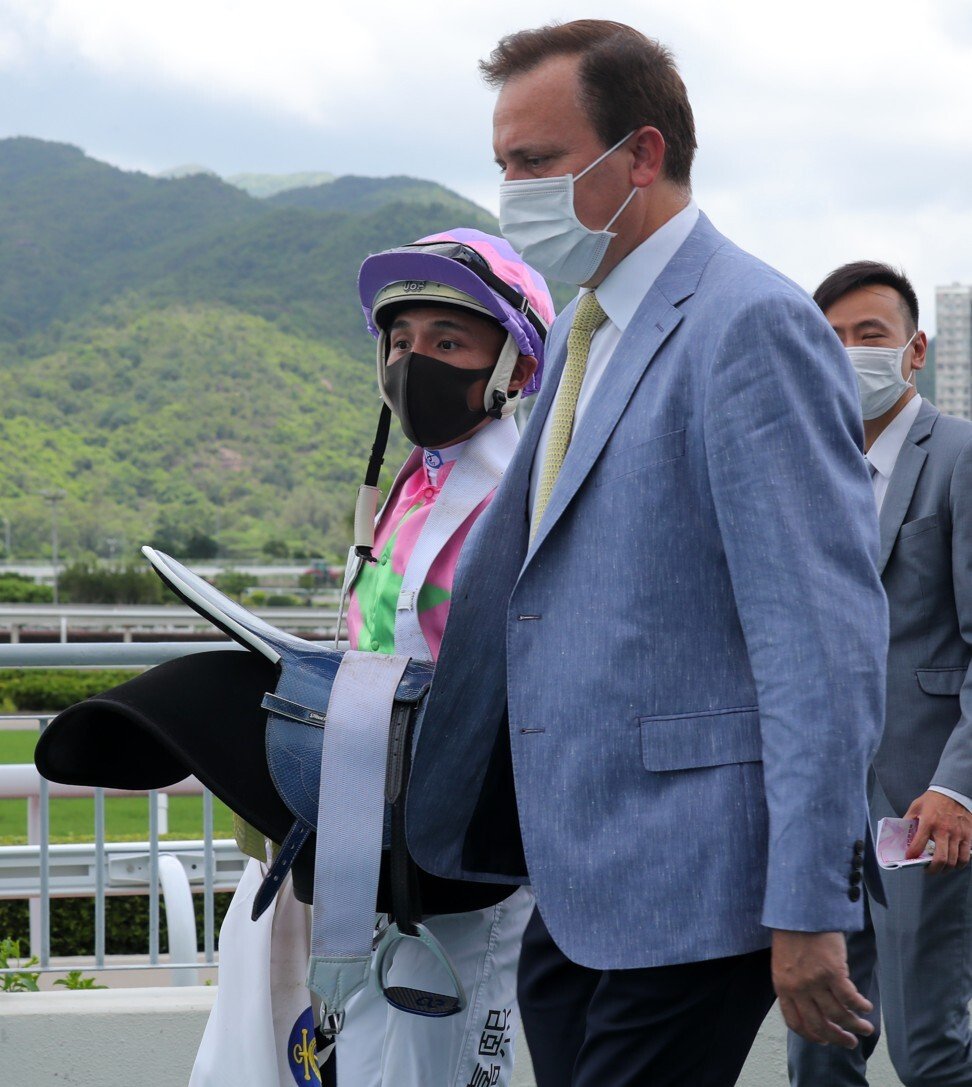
x=431 y=398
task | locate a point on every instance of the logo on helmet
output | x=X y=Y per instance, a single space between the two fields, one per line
x=413 y=285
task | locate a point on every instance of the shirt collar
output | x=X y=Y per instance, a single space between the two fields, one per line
x=626 y=285
x=883 y=454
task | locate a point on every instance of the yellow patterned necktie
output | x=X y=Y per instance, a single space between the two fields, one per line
x=588 y=318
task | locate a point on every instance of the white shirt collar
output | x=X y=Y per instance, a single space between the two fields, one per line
x=883 y=454
x=625 y=286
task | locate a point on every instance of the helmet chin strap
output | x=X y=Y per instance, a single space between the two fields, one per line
x=366 y=505
x=381 y=355
x=497 y=400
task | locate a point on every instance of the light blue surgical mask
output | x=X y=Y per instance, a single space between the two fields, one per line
x=538 y=219
x=879 y=377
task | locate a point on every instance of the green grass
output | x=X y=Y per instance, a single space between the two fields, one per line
x=125 y=819
x=18 y=745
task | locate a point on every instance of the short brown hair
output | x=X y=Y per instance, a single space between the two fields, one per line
x=627 y=80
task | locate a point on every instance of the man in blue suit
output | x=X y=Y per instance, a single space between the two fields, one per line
x=663 y=677
x=918 y=941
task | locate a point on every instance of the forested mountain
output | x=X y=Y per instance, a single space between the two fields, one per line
x=183 y=358
x=369 y=193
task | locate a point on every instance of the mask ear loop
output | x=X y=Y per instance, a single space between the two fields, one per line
x=587 y=169
x=913 y=376
x=497 y=401
x=601 y=158
x=614 y=217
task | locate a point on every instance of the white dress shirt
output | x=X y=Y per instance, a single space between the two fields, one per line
x=882 y=456
x=620 y=294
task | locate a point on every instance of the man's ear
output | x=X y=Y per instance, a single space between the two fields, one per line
x=648 y=156
x=920 y=352
x=525 y=368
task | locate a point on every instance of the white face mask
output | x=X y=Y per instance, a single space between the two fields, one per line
x=879 y=376
x=537 y=218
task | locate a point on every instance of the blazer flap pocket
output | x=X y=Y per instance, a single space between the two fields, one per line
x=686 y=741
x=634 y=456
x=946 y=681
x=922 y=524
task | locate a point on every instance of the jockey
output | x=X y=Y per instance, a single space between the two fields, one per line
x=459 y=321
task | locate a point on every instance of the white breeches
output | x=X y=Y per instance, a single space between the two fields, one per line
x=260 y=1031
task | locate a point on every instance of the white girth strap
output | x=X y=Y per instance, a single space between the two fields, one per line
x=476 y=473
x=350 y=818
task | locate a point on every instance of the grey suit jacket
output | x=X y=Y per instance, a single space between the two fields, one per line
x=926 y=565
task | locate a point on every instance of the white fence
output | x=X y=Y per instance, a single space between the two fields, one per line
x=127 y=619
x=40 y=870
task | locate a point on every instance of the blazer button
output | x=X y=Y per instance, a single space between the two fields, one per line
x=854 y=894
x=855 y=877
x=859 y=848
x=857 y=863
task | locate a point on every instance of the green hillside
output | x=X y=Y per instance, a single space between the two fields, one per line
x=180 y=357
x=188 y=419
x=368 y=193
x=270 y=184
x=74 y=232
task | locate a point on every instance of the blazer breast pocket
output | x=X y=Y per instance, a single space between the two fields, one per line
x=690 y=741
x=636 y=456
x=917 y=527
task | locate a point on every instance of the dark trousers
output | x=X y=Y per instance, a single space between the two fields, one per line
x=666 y=1026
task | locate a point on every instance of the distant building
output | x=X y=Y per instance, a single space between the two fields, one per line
x=953 y=350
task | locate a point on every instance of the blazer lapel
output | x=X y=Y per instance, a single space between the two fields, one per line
x=555 y=355
x=904 y=479
x=653 y=322
x=649 y=329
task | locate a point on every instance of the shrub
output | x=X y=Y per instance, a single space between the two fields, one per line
x=85 y=583
x=47 y=690
x=126 y=924
x=15 y=589
x=233 y=582
x=24 y=981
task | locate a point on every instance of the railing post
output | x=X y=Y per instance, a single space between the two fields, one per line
x=44 y=950
x=153 y=877
x=180 y=918
x=209 y=878
x=33 y=904
x=100 y=911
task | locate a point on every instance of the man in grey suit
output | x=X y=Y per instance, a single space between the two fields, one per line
x=663 y=676
x=921 y=468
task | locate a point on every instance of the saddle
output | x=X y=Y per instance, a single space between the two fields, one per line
x=312 y=746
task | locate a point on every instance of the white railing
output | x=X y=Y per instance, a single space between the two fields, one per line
x=127 y=619
x=40 y=870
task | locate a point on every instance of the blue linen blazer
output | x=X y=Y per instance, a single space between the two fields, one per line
x=686 y=668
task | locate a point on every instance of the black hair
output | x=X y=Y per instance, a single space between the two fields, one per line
x=867 y=273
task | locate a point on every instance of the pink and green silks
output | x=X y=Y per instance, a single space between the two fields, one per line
x=374 y=599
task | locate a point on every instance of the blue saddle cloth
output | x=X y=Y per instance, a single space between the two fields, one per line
x=297 y=708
